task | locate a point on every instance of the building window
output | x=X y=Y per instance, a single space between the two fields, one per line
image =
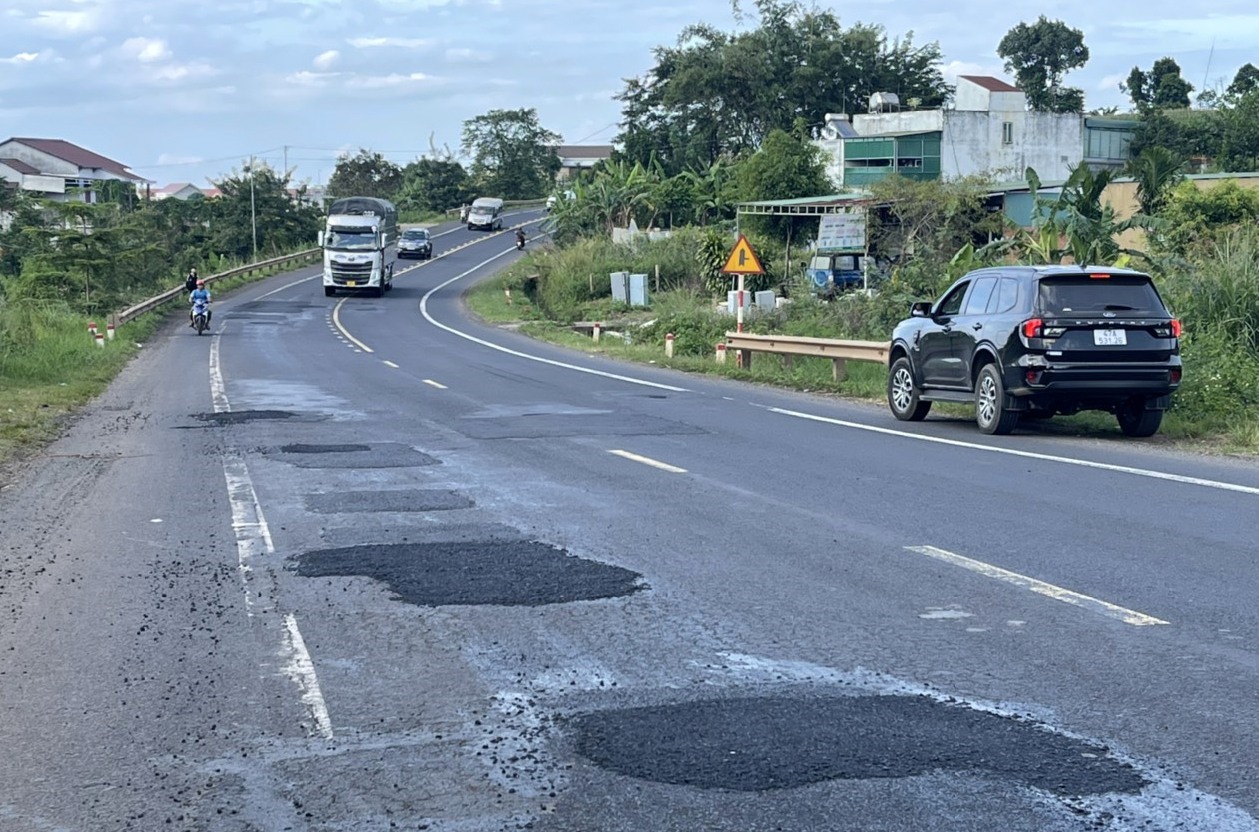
x=1007 y=132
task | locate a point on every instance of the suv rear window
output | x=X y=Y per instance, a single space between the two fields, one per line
x=1087 y=296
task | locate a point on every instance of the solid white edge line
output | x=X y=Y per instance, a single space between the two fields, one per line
x=1137 y=619
x=253 y=537
x=301 y=670
x=646 y=460
x=517 y=353
x=1066 y=460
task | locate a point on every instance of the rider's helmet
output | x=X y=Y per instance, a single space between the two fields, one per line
x=200 y=283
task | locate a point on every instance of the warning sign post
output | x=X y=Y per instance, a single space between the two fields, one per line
x=742 y=262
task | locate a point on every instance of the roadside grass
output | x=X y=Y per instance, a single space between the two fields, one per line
x=50 y=365
x=625 y=337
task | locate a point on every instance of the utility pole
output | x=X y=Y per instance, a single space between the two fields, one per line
x=253 y=210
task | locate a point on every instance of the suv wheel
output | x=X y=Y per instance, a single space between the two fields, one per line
x=902 y=393
x=991 y=413
x=1135 y=420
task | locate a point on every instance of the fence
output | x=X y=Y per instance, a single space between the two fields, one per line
x=839 y=351
x=140 y=308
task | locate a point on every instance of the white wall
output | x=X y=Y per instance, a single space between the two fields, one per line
x=1048 y=142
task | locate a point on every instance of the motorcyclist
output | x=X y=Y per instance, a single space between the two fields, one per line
x=200 y=295
x=520 y=238
x=190 y=282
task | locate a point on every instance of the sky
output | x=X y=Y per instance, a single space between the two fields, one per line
x=184 y=91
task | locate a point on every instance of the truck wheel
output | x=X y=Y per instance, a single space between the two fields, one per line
x=329 y=291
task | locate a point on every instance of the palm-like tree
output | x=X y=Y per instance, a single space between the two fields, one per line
x=1156 y=171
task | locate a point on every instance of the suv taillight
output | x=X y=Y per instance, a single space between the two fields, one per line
x=1172 y=330
x=1032 y=328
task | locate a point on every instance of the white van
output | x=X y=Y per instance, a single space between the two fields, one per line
x=487 y=213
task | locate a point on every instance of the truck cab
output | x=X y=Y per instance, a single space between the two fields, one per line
x=359 y=242
x=837 y=272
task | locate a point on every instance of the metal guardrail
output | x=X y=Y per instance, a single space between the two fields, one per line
x=839 y=351
x=140 y=308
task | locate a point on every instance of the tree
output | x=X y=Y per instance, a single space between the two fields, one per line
x=784 y=167
x=433 y=185
x=1156 y=170
x=1201 y=216
x=365 y=174
x=1039 y=56
x=260 y=196
x=1239 y=142
x=717 y=95
x=513 y=156
x=1162 y=87
x=1244 y=82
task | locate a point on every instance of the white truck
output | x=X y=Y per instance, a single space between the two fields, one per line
x=359 y=243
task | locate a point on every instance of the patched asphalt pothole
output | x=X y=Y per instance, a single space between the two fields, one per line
x=500 y=573
x=783 y=742
x=300 y=448
x=374 y=455
x=402 y=500
x=237 y=417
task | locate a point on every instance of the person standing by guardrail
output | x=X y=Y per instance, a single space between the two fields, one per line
x=190 y=282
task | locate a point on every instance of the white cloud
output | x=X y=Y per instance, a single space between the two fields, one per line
x=183 y=72
x=68 y=23
x=305 y=78
x=393 y=80
x=953 y=69
x=325 y=60
x=21 y=58
x=402 y=43
x=1110 y=83
x=146 y=50
x=473 y=55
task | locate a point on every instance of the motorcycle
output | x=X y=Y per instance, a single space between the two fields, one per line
x=200 y=317
x=520 y=242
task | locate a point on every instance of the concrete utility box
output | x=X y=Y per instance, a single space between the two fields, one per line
x=732 y=301
x=765 y=300
x=638 y=290
x=620 y=286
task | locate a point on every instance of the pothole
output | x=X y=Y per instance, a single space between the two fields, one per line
x=408 y=500
x=758 y=744
x=237 y=417
x=507 y=573
x=323 y=449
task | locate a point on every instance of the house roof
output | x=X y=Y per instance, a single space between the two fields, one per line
x=173 y=188
x=79 y=156
x=989 y=83
x=585 y=151
x=20 y=166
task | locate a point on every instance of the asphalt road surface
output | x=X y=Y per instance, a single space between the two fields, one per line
x=361 y=564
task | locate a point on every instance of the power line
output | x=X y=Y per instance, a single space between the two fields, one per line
x=205 y=161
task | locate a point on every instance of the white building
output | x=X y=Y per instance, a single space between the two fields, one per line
x=988 y=130
x=57 y=169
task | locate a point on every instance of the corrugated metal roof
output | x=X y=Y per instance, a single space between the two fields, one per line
x=20 y=166
x=79 y=156
x=989 y=83
x=897 y=134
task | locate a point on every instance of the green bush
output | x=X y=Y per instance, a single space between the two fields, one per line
x=1221 y=377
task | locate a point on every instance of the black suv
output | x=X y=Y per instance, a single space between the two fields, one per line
x=415 y=242
x=1034 y=341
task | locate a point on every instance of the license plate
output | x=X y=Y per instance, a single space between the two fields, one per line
x=1110 y=337
x=351 y=283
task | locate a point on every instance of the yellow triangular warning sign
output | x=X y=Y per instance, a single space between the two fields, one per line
x=742 y=259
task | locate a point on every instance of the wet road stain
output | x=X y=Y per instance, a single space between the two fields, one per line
x=408 y=500
x=509 y=573
x=241 y=416
x=323 y=449
x=758 y=744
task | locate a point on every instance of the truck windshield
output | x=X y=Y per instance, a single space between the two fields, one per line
x=350 y=240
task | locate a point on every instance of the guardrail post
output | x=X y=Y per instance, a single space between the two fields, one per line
x=839 y=369
x=595 y=331
x=721 y=353
x=743 y=359
x=668 y=345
